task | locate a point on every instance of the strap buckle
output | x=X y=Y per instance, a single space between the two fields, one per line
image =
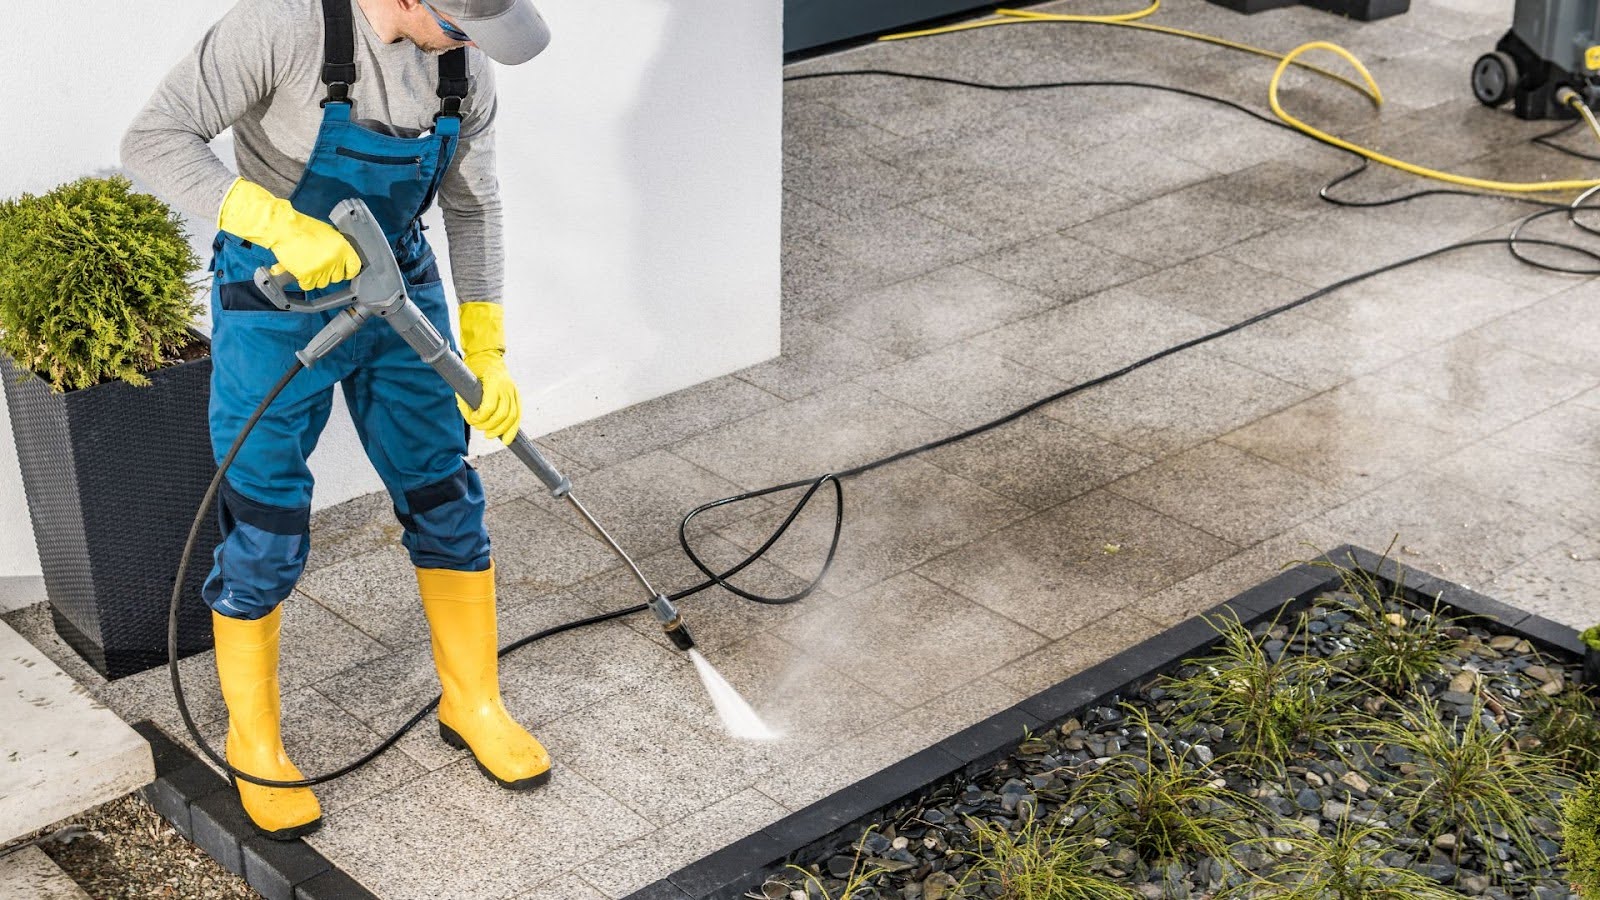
x=448 y=106
x=338 y=92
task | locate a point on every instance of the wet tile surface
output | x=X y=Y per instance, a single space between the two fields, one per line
x=950 y=254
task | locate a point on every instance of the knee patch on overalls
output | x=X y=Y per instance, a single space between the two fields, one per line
x=443 y=523
x=262 y=554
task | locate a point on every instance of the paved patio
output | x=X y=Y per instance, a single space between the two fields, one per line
x=951 y=254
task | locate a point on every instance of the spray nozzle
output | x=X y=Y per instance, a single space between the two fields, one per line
x=671 y=622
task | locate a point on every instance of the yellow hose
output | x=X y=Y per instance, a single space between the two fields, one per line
x=1511 y=187
x=1367 y=86
x=1124 y=20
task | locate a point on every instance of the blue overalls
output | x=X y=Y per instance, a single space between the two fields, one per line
x=404 y=413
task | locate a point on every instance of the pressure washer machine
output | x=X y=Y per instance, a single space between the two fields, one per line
x=1552 y=44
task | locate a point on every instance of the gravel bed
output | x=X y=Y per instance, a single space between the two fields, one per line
x=124 y=850
x=1074 y=782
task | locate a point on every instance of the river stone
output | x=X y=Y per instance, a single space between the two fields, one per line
x=841 y=866
x=938 y=886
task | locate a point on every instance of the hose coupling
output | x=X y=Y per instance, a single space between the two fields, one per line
x=672 y=622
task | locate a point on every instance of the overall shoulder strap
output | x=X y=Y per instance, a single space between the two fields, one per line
x=454 y=83
x=338 y=50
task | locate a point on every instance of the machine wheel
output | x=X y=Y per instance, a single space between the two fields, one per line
x=1494 y=78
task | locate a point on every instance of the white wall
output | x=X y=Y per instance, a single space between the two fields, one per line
x=640 y=158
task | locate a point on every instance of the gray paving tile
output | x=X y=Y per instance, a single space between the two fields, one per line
x=1454 y=21
x=1558 y=489
x=1497 y=262
x=1176 y=403
x=1139 y=166
x=1205 y=589
x=850 y=182
x=378 y=590
x=716 y=617
x=1071 y=565
x=828 y=431
x=1325 y=248
x=1219 y=289
x=1506 y=384
x=1285 y=187
x=320 y=737
x=314 y=644
x=1357 y=436
x=904 y=107
x=1019 y=136
x=500 y=842
x=1094 y=643
x=949 y=640
x=350 y=529
x=1177 y=226
x=657 y=748
x=815 y=357
x=901 y=242
x=539 y=683
x=1418 y=82
x=1447 y=134
x=1017 y=208
x=963 y=384
x=1522 y=162
x=1095 y=335
x=1568 y=432
x=1561 y=583
x=1303 y=350
x=812 y=123
x=818 y=281
x=642 y=861
x=1037 y=461
x=506 y=478
x=658 y=423
x=537 y=552
x=1424 y=304
x=942 y=307
x=1061 y=267
x=895 y=518
x=807 y=781
x=1229 y=493
x=1446 y=528
x=1559 y=329
x=641 y=501
x=566 y=887
x=802 y=695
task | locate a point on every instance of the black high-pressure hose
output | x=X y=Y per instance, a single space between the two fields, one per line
x=1513 y=243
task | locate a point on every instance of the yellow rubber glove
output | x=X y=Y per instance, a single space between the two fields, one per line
x=483 y=347
x=311 y=250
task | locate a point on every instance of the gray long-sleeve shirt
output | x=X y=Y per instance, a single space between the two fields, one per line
x=259 y=71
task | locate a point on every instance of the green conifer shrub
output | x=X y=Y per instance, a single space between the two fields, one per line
x=1580 y=837
x=95 y=283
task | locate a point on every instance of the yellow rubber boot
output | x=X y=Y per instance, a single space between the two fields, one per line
x=247 y=665
x=460 y=609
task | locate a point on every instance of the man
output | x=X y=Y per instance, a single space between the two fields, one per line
x=391 y=101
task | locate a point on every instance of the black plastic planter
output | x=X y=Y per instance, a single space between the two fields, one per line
x=1591 y=666
x=113 y=475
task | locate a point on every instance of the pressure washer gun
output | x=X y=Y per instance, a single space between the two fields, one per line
x=380 y=290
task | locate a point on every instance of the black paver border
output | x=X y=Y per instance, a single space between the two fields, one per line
x=744 y=865
x=204 y=807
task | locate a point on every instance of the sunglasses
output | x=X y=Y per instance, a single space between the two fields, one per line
x=450 y=31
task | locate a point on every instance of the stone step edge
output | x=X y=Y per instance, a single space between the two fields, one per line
x=203 y=807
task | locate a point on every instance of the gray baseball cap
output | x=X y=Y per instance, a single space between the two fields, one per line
x=510 y=32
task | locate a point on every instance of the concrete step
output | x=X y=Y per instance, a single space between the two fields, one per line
x=30 y=875
x=61 y=752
